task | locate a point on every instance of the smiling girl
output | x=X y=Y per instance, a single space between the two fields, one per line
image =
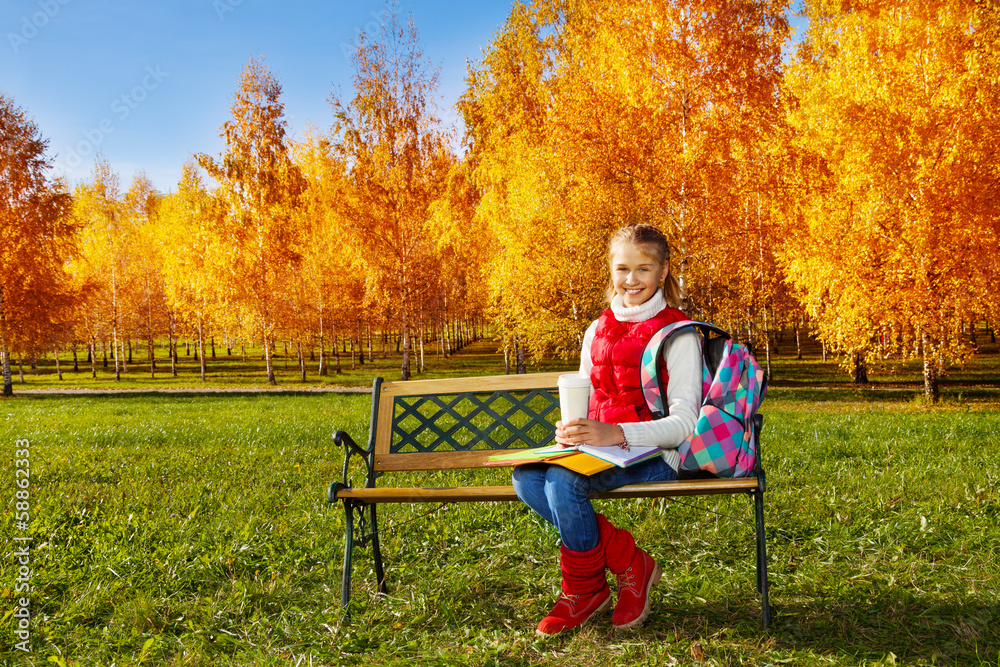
x=611 y=355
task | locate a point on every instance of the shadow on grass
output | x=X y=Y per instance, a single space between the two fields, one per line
x=914 y=628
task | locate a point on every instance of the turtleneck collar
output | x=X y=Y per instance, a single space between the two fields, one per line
x=639 y=313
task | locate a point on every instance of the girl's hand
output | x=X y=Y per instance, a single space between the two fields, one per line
x=587 y=432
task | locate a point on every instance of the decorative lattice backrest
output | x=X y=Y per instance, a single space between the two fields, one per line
x=458 y=423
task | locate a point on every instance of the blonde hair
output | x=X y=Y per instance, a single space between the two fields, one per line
x=653 y=243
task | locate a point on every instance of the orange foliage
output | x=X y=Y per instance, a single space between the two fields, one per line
x=38 y=237
x=397 y=160
x=896 y=251
x=332 y=277
x=194 y=258
x=585 y=115
x=106 y=241
x=260 y=187
x=863 y=186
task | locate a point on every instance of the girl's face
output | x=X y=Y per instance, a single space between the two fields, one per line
x=635 y=275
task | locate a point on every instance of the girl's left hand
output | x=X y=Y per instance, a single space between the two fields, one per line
x=587 y=432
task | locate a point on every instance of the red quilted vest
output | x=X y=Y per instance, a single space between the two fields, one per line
x=617 y=355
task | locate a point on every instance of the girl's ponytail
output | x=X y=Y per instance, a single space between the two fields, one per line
x=672 y=291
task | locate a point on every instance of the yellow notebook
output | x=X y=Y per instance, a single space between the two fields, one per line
x=585 y=464
x=519 y=456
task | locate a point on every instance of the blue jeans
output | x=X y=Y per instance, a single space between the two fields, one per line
x=562 y=497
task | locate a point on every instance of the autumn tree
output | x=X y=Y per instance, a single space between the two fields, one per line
x=260 y=187
x=895 y=250
x=464 y=252
x=332 y=274
x=87 y=324
x=398 y=161
x=140 y=208
x=522 y=204
x=676 y=133
x=738 y=282
x=107 y=238
x=987 y=58
x=583 y=116
x=192 y=258
x=38 y=237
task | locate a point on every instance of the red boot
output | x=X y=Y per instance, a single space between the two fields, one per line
x=585 y=591
x=637 y=573
x=634 y=585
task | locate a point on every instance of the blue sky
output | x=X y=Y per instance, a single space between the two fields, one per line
x=147 y=84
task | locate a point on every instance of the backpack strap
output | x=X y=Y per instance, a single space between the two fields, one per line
x=655 y=391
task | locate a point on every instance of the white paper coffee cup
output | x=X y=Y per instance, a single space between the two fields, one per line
x=574 y=396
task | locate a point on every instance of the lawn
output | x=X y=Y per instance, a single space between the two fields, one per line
x=193 y=530
x=233 y=371
x=478 y=358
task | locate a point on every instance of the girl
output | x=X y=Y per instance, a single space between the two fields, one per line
x=618 y=416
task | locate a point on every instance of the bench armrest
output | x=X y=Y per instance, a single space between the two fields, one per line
x=367 y=454
x=351 y=448
x=343 y=439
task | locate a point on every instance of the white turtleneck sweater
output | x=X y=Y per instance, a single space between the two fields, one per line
x=682 y=352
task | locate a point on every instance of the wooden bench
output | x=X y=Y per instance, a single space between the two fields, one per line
x=448 y=424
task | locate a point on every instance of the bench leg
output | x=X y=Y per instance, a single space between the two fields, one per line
x=377 y=553
x=367 y=526
x=349 y=508
x=762 y=583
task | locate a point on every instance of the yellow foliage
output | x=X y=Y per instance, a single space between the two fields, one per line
x=37 y=237
x=260 y=188
x=586 y=115
x=896 y=245
x=397 y=162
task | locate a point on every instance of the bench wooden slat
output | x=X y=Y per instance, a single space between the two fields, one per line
x=688 y=487
x=435 y=460
x=432 y=494
x=459 y=494
x=471 y=384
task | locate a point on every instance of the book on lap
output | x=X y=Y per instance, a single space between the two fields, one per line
x=585 y=459
x=622 y=458
x=528 y=456
x=581 y=462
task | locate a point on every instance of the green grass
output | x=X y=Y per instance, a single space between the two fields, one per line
x=196 y=528
x=231 y=371
x=479 y=358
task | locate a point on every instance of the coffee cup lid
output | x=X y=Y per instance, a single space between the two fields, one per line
x=574 y=380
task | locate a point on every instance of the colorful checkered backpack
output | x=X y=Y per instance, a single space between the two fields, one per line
x=723 y=443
